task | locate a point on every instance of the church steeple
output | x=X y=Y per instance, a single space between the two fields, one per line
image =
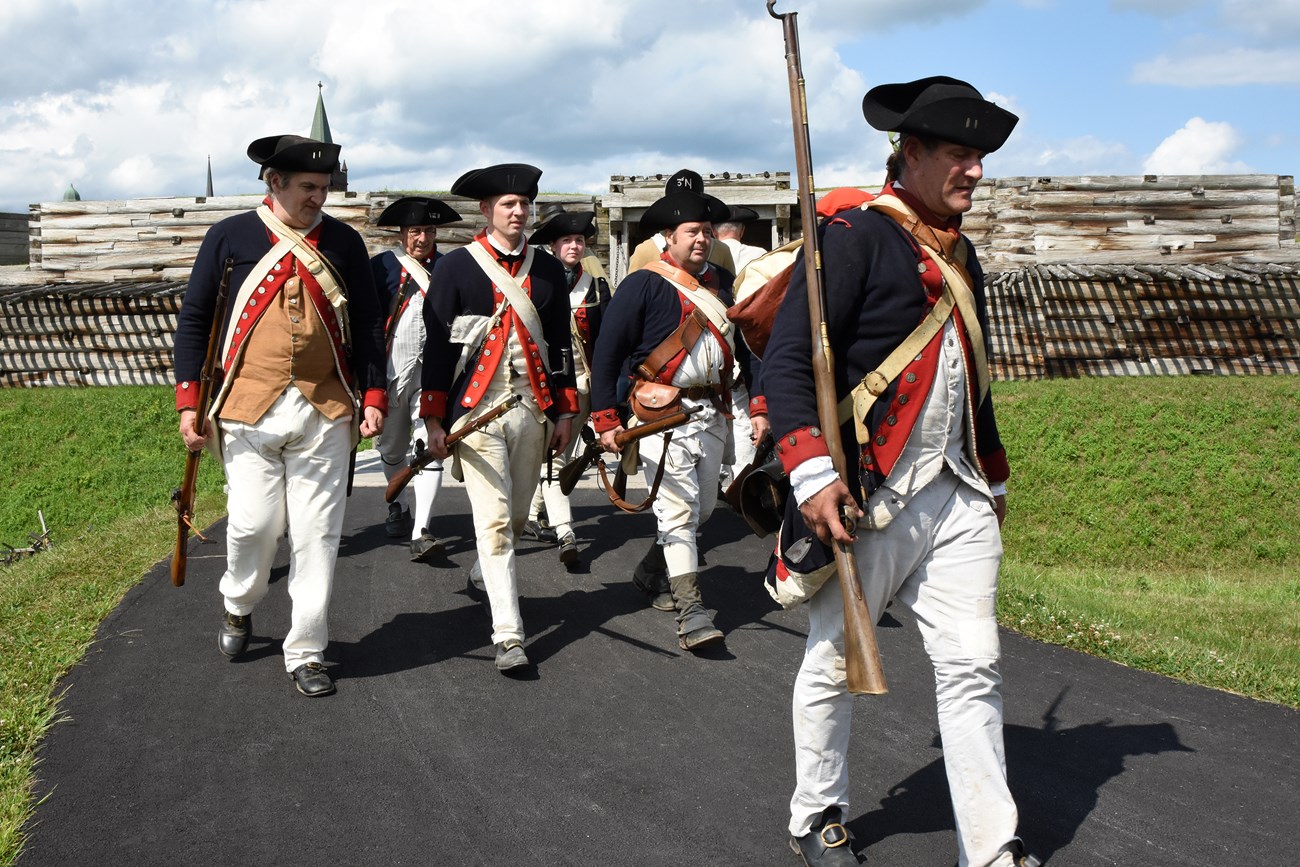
x=320 y=130
x=320 y=124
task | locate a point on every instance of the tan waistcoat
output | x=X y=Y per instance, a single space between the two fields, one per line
x=289 y=345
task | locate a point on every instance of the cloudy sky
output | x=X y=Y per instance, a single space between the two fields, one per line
x=129 y=98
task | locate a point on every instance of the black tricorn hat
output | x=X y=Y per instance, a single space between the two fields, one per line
x=939 y=107
x=417 y=211
x=563 y=223
x=294 y=153
x=506 y=179
x=682 y=207
x=741 y=214
x=686 y=180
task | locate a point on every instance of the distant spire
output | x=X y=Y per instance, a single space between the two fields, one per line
x=320 y=124
x=209 y=193
x=72 y=195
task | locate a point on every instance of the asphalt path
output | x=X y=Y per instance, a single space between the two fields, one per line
x=620 y=749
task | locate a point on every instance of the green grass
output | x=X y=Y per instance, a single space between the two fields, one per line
x=100 y=464
x=1152 y=522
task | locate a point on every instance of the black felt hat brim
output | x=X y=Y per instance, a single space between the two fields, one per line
x=568 y=223
x=417 y=211
x=519 y=179
x=676 y=208
x=741 y=214
x=294 y=153
x=942 y=108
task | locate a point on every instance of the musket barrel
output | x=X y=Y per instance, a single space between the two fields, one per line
x=865 y=673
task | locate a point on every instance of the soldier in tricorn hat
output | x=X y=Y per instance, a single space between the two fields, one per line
x=500 y=307
x=929 y=476
x=667 y=325
x=565 y=234
x=302 y=352
x=402 y=277
x=682 y=181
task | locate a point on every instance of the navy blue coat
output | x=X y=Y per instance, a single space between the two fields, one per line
x=459 y=287
x=874 y=300
x=245 y=238
x=644 y=311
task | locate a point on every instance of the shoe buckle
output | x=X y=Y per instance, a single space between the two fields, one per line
x=834 y=835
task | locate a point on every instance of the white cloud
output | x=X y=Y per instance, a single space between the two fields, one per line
x=1272 y=22
x=583 y=89
x=1205 y=66
x=1201 y=147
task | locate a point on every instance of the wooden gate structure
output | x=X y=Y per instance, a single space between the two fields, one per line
x=1087 y=276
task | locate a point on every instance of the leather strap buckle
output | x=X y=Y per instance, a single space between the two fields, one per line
x=834 y=835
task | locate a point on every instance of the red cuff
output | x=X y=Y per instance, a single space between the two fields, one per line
x=758 y=405
x=187 y=395
x=567 y=401
x=799 y=445
x=433 y=403
x=376 y=397
x=995 y=466
x=605 y=419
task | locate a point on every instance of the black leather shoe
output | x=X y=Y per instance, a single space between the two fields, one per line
x=399 y=523
x=511 y=656
x=537 y=532
x=568 y=549
x=426 y=548
x=312 y=680
x=828 y=844
x=232 y=637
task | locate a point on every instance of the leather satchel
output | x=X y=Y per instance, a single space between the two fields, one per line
x=651 y=401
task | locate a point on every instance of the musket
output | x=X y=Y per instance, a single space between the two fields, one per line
x=570 y=474
x=183 y=497
x=422 y=457
x=861 y=654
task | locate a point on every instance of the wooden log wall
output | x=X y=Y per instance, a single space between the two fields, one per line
x=1133 y=220
x=157 y=239
x=13 y=239
x=1120 y=320
x=88 y=334
x=1086 y=277
x=117 y=330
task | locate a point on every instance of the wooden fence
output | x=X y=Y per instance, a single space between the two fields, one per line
x=157 y=239
x=1129 y=320
x=1086 y=277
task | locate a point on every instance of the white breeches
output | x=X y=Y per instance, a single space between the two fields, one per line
x=558 y=511
x=940 y=558
x=287 y=472
x=396 y=446
x=500 y=465
x=689 y=489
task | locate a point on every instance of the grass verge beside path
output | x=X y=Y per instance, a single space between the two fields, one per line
x=1154 y=522
x=101 y=464
x=1151 y=521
